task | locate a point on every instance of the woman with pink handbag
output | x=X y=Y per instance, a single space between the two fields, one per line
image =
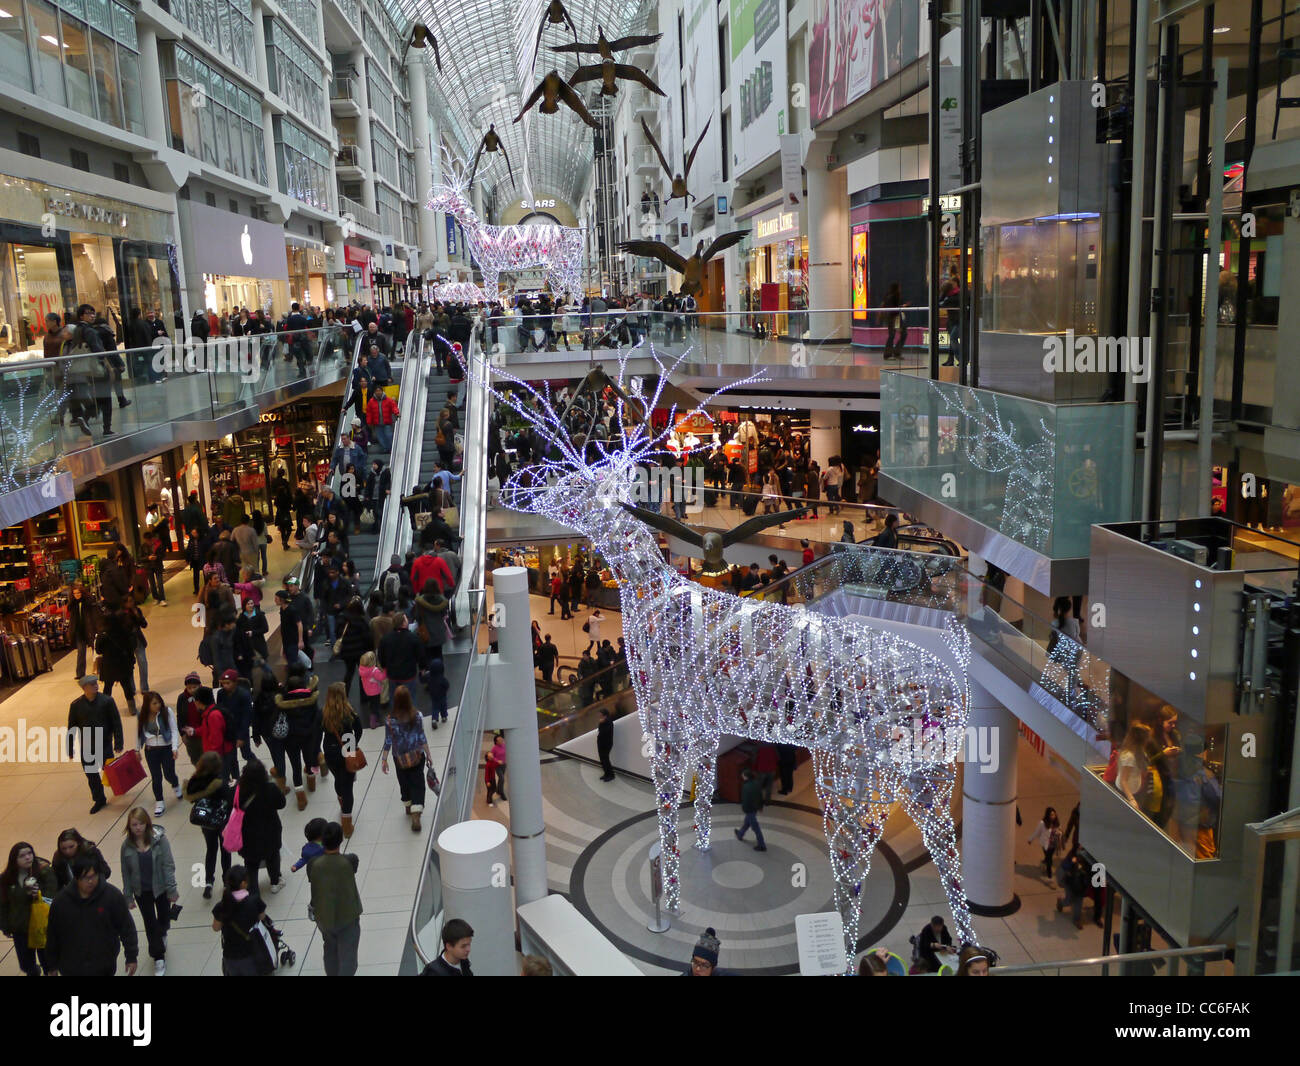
x=254 y=826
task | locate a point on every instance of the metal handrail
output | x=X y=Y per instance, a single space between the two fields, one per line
x=395 y=527
x=303 y=574
x=1213 y=950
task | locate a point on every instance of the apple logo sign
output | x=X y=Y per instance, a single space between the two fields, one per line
x=246 y=246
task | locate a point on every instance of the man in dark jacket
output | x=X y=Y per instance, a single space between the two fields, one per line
x=93 y=720
x=89 y=924
x=401 y=654
x=547 y=654
x=83 y=623
x=379 y=486
x=361 y=379
x=751 y=802
x=236 y=705
x=605 y=743
x=116 y=579
x=192 y=517
x=228 y=556
x=294 y=636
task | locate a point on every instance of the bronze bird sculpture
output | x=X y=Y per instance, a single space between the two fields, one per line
x=713 y=542
x=610 y=73
x=555 y=15
x=678 y=180
x=491 y=143
x=692 y=269
x=604 y=47
x=552 y=92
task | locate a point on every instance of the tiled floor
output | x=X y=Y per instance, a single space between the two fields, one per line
x=598 y=835
x=39 y=800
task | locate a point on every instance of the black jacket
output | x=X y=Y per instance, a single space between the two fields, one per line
x=237 y=708
x=401 y=654
x=302 y=710
x=114 y=584
x=355 y=636
x=605 y=734
x=83 y=619
x=85 y=935
x=101 y=713
x=440 y=967
x=261 y=821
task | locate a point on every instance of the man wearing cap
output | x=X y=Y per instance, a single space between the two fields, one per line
x=704 y=959
x=189 y=716
x=236 y=706
x=94 y=720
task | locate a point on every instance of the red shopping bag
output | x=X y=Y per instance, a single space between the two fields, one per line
x=124 y=773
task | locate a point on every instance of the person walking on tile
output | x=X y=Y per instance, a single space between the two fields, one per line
x=751 y=802
x=336 y=903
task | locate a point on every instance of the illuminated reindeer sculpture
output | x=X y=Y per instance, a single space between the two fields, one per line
x=706 y=663
x=498 y=250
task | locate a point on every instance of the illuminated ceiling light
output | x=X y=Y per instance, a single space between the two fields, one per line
x=1222 y=29
x=1192 y=675
x=50 y=40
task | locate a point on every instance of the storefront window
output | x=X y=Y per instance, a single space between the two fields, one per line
x=76 y=54
x=13 y=51
x=79 y=263
x=212 y=132
x=43 y=37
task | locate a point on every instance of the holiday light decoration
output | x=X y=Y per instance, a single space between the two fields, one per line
x=1079 y=680
x=995 y=445
x=460 y=292
x=705 y=663
x=499 y=250
x=29 y=428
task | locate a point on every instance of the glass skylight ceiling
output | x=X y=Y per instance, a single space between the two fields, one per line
x=487 y=74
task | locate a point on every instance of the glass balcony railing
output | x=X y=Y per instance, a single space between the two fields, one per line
x=53 y=408
x=1039 y=473
x=784 y=341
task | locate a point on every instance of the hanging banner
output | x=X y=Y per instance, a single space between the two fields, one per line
x=949 y=127
x=792 y=167
x=451 y=234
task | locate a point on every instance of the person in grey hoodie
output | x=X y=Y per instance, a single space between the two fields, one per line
x=149 y=880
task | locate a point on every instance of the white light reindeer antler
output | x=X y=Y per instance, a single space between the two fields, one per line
x=636 y=444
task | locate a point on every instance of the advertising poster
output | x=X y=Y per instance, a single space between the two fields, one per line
x=758 y=72
x=860 y=304
x=856 y=45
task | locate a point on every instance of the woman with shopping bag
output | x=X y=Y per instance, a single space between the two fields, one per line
x=27 y=887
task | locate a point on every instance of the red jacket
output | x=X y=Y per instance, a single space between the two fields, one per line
x=807 y=556
x=427 y=566
x=212 y=731
x=765 y=761
x=387 y=407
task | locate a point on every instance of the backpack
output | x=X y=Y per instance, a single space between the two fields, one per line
x=392 y=587
x=205 y=651
x=440 y=438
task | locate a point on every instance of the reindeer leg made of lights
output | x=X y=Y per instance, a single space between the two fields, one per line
x=704 y=764
x=856 y=802
x=671 y=744
x=927 y=798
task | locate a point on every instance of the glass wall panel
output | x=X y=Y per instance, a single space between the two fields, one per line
x=107 y=93
x=43 y=37
x=13 y=47
x=128 y=65
x=76 y=67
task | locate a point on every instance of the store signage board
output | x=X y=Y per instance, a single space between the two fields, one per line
x=778 y=223
x=88 y=212
x=231 y=244
x=821 y=944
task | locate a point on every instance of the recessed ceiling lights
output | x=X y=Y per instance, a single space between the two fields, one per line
x=1222 y=29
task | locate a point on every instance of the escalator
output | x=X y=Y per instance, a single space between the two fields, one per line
x=574 y=709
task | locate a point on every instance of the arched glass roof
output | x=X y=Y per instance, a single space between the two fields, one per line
x=487 y=73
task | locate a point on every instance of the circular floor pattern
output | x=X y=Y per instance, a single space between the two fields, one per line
x=750 y=898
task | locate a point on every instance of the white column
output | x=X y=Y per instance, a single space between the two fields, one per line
x=828 y=244
x=512 y=708
x=475 y=868
x=358 y=58
x=989 y=804
x=825 y=435
x=152 y=91
x=264 y=79
x=426 y=222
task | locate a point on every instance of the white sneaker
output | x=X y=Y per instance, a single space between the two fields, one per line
x=162 y=603
x=179 y=793
x=159 y=968
x=278 y=885
x=158 y=808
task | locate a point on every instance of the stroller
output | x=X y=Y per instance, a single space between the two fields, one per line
x=270 y=948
